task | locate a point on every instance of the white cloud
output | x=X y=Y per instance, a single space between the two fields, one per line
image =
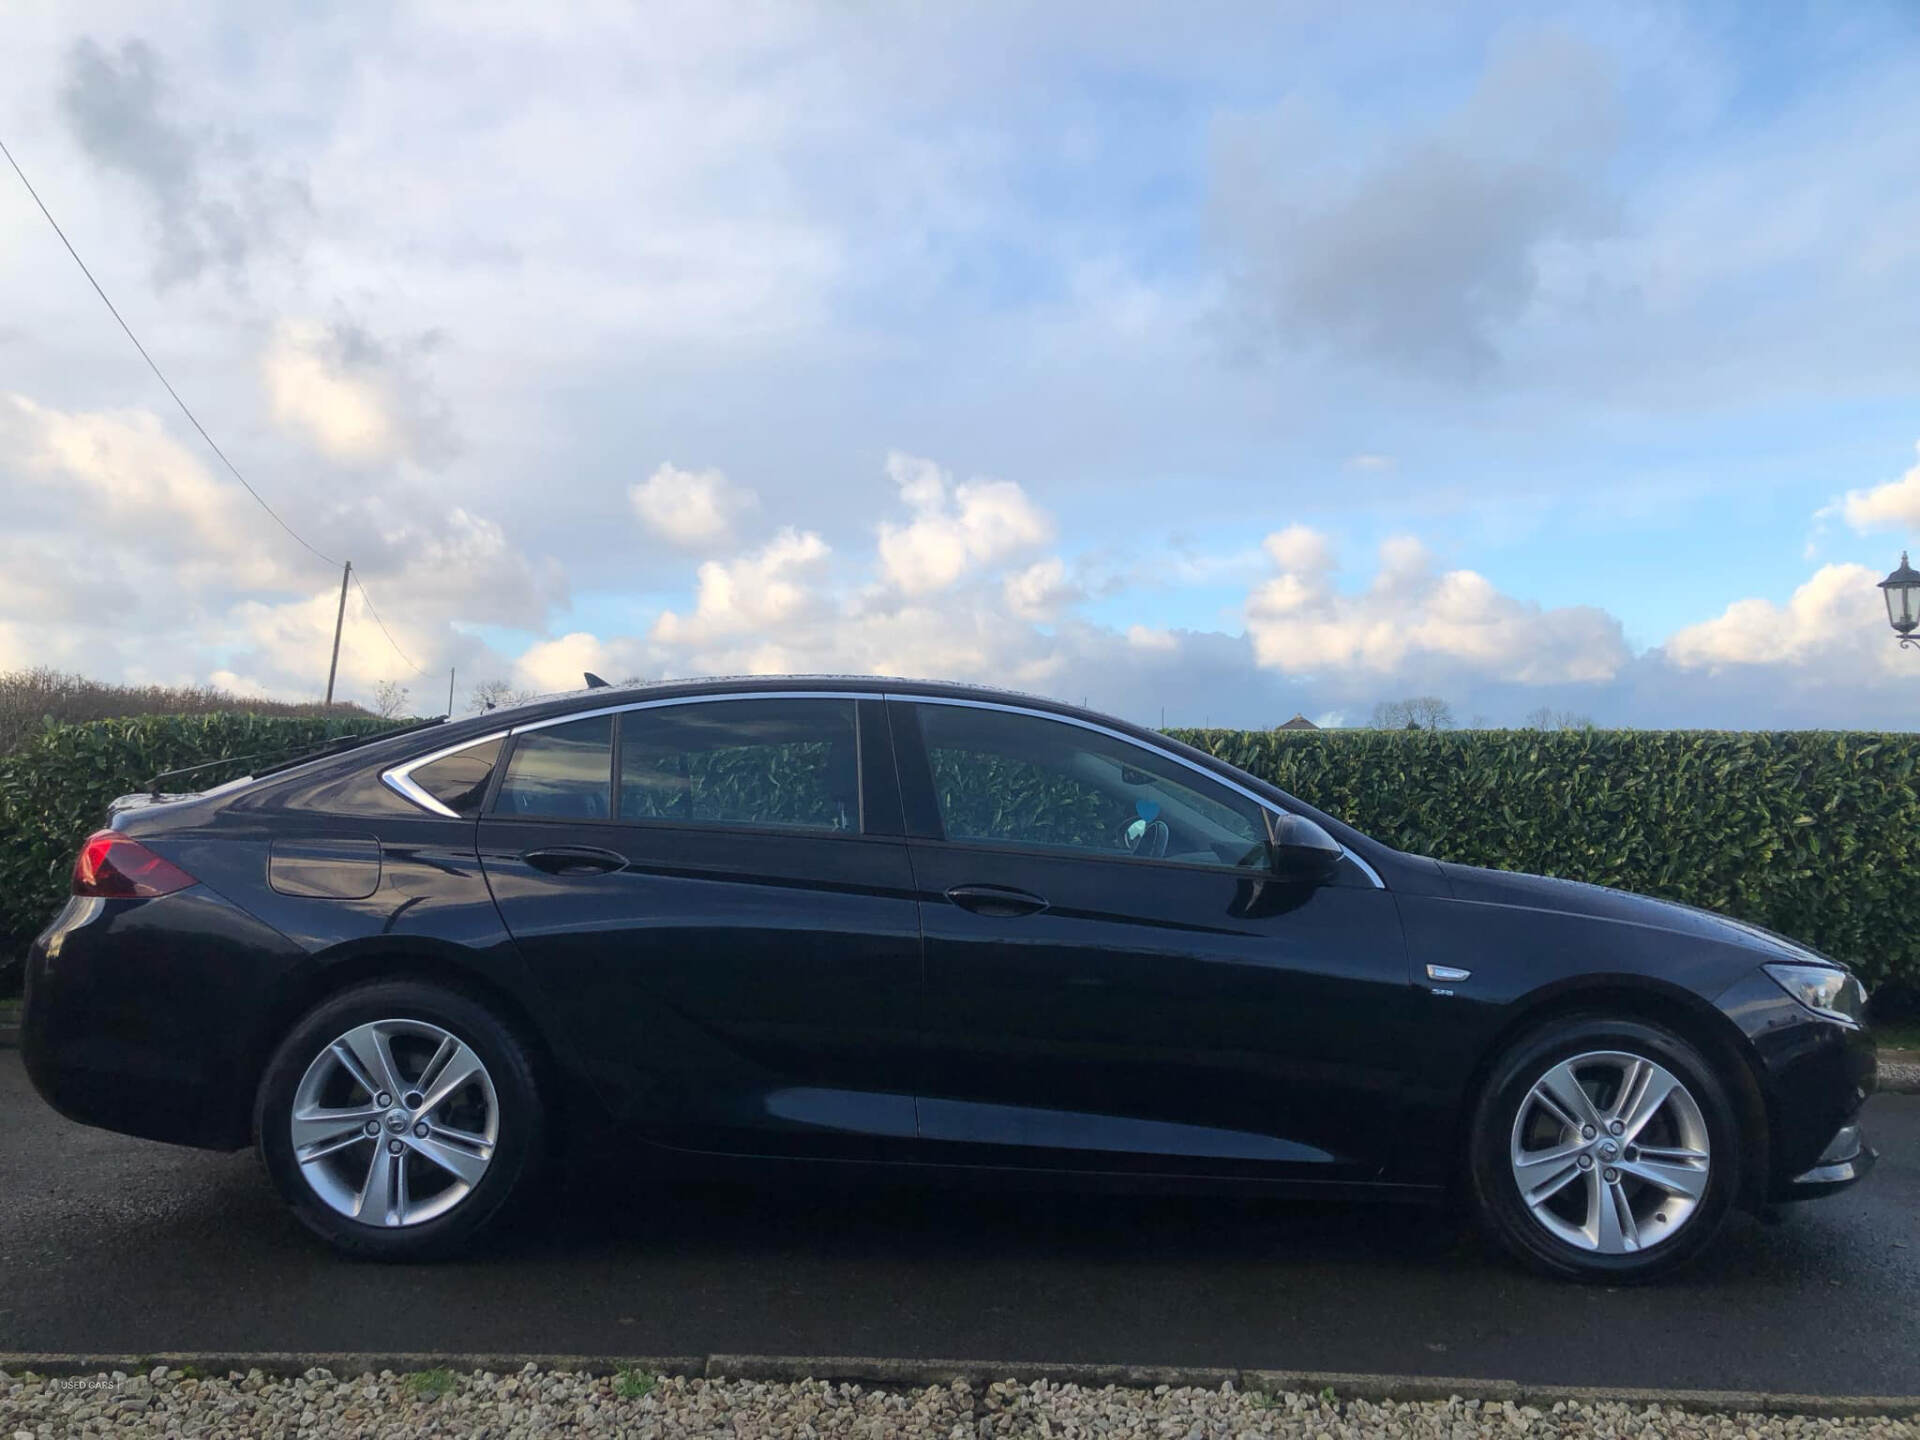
x=345 y=414
x=1835 y=617
x=1415 y=621
x=955 y=528
x=1042 y=590
x=689 y=508
x=753 y=593
x=562 y=663
x=1143 y=637
x=1892 y=506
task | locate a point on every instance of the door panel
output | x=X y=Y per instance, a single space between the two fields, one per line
x=1152 y=1017
x=749 y=988
x=1113 y=1011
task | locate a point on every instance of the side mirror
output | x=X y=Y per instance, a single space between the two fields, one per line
x=1304 y=853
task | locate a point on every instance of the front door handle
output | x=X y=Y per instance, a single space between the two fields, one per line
x=996 y=900
x=575 y=860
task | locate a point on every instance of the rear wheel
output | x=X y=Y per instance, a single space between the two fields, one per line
x=1605 y=1150
x=399 y=1120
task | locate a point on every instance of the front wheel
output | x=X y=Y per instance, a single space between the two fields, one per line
x=399 y=1119
x=1604 y=1150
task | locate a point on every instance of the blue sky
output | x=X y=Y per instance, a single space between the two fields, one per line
x=1233 y=360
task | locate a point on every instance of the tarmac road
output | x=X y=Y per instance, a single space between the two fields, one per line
x=111 y=1245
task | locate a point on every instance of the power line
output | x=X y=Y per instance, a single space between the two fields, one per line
x=149 y=359
x=193 y=419
x=417 y=669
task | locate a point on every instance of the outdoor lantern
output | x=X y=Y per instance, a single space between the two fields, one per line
x=1902 y=589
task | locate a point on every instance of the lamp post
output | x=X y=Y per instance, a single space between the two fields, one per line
x=1902 y=589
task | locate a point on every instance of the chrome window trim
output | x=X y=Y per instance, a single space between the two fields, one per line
x=1126 y=739
x=399 y=778
x=695 y=700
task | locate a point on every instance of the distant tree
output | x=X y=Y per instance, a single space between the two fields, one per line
x=1549 y=719
x=493 y=694
x=1415 y=712
x=390 y=699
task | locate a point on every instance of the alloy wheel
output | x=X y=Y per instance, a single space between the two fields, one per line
x=1610 y=1152
x=394 y=1123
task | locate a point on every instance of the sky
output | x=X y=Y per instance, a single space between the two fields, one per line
x=1202 y=363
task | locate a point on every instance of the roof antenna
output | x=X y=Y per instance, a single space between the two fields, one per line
x=594 y=682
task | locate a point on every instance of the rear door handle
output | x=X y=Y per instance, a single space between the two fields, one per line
x=575 y=860
x=996 y=900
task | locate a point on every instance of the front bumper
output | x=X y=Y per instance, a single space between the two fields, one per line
x=1847 y=1159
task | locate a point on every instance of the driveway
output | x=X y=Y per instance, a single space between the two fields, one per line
x=114 y=1245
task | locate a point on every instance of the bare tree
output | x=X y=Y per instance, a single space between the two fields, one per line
x=390 y=699
x=494 y=694
x=1545 y=718
x=1391 y=715
x=1415 y=712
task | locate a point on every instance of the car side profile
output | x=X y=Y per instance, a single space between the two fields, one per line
x=901 y=928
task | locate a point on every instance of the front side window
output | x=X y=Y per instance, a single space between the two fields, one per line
x=1003 y=778
x=774 y=763
x=561 y=772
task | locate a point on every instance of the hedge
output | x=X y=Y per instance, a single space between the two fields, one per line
x=1815 y=834
x=1812 y=833
x=54 y=790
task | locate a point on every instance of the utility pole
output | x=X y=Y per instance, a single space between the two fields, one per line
x=450 y=673
x=339 y=619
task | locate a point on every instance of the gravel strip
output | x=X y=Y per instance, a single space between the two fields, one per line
x=534 y=1402
x=1900 y=1076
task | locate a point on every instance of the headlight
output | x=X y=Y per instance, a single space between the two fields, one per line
x=1832 y=993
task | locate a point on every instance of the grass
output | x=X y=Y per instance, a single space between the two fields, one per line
x=1898 y=1035
x=631 y=1384
x=429 y=1384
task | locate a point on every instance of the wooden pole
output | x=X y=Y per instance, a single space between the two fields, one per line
x=339 y=619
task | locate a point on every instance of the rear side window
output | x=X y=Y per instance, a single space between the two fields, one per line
x=563 y=772
x=765 y=763
x=459 y=781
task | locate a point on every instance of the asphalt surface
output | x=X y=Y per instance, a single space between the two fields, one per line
x=116 y=1245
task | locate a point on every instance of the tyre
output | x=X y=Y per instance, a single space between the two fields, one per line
x=400 y=1119
x=1604 y=1149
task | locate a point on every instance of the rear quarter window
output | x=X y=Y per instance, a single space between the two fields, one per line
x=459 y=781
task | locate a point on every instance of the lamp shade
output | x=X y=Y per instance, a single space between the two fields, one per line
x=1902 y=589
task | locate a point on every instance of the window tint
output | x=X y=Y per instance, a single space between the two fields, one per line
x=742 y=762
x=1013 y=779
x=459 y=781
x=562 y=773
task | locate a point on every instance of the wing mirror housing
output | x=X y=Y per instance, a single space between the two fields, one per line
x=1303 y=853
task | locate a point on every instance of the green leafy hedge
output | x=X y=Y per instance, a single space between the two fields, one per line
x=55 y=787
x=1815 y=834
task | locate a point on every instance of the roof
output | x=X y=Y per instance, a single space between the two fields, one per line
x=616 y=693
x=1298 y=722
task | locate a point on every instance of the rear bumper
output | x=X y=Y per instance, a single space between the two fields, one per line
x=137 y=1015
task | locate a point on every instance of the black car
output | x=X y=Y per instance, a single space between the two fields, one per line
x=874 y=927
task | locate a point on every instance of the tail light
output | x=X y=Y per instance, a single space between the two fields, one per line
x=115 y=867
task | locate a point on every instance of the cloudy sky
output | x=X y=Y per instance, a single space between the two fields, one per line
x=1202 y=361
